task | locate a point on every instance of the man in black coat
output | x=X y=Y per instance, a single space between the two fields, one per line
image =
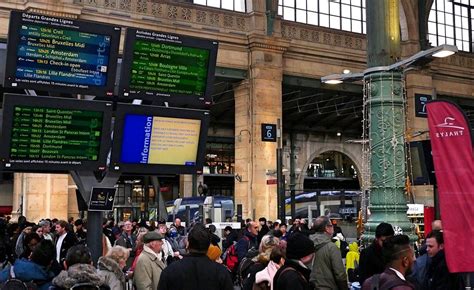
x=438 y=276
x=294 y=274
x=196 y=271
x=64 y=240
x=371 y=260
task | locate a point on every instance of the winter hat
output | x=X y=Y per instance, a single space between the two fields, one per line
x=299 y=246
x=213 y=253
x=152 y=236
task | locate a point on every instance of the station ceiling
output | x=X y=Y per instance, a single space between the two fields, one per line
x=308 y=106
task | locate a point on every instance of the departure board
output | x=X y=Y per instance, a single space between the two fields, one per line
x=166 y=67
x=53 y=132
x=50 y=53
x=150 y=139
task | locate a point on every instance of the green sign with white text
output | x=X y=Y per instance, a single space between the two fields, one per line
x=55 y=134
x=169 y=68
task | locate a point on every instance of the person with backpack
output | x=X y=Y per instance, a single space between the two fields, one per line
x=294 y=274
x=250 y=266
x=33 y=273
x=400 y=257
x=248 y=241
x=264 y=278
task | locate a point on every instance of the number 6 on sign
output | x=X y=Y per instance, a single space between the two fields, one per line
x=269 y=132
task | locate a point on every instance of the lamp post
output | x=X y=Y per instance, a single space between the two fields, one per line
x=384 y=91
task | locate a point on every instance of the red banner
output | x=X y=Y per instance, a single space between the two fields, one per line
x=451 y=145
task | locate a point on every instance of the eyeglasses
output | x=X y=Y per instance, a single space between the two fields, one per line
x=329 y=225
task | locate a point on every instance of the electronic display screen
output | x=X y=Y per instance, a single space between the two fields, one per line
x=55 y=54
x=41 y=133
x=159 y=139
x=169 y=68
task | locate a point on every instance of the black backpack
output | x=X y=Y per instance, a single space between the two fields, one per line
x=15 y=284
x=244 y=267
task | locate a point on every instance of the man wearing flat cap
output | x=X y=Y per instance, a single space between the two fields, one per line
x=149 y=266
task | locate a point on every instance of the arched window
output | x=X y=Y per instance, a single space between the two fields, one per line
x=451 y=22
x=234 y=5
x=346 y=15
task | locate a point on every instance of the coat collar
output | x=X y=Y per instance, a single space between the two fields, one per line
x=153 y=256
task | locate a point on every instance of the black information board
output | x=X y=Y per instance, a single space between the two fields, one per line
x=151 y=140
x=269 y=132
x=420 y=105
x=53 y=134
x=55 y=54
x=165 y=67
x=102 y=198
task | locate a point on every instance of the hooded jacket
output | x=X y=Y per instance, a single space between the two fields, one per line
x=26 y=271
x=352 y=257
x=78 y=273
x=328 y=271
x=110 y=270
x=266 y=276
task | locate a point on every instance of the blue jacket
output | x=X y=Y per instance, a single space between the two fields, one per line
x=27 y=271
x=245 y=244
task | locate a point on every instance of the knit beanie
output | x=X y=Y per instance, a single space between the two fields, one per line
x=213 y=252
x=298 y=246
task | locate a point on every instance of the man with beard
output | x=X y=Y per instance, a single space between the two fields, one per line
x=400 y=257
x=371 y=261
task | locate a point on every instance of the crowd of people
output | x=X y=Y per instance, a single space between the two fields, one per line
x=53 y=254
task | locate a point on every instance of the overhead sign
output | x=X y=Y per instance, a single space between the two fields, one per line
x=420 y=105
x=53 y=134
x=55 y=54
x=269 y=132
x=165 y=67
x=149 y=139
x=102 y=198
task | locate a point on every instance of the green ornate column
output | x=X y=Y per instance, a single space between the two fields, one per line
x=384 y=101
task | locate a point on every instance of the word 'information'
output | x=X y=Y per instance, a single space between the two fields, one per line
x=160 y=140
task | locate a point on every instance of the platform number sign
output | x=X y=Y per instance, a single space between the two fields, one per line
x=269 y=132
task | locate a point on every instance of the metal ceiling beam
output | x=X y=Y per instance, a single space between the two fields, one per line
x=289 y=80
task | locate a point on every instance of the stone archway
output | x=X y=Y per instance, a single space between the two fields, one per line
x=352 y=151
